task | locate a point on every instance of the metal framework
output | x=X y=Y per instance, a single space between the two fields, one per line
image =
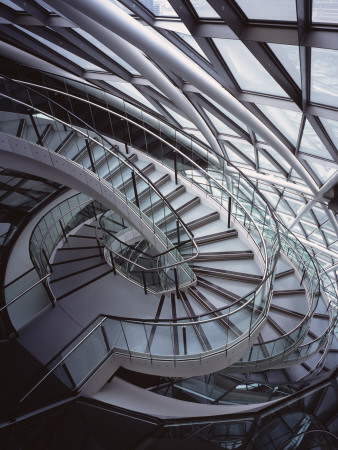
x=258 y=87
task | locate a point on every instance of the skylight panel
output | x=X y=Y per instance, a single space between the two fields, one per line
x=311 y=143
x=331 y=127
x=288 y=55
x=281 y=10
x=107 y=51
x=248 y=72
x=192 y=43
x=86 y=65
x=288 y=122
x=124 y=8
x=324 y=172
x=324 y=80
x=159 y=7
x=131 y=91
x=220 y=126
x=180 y=119
x=265 y=164
x=204 y=10
x=226 y=113
x=324 y=11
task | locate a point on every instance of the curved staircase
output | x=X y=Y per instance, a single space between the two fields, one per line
x=233 y=300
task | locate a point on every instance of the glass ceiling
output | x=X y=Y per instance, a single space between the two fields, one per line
x=292 y=90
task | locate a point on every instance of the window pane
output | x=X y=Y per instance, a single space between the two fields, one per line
x=203 y=9
x=324 y=11
x=269 y=9
x=248 y=72
x=288 y=55
x=192 y=43
x=324 y=80
x=286 y=121
x=311 y=143
x=159 y=7
x=107 y=51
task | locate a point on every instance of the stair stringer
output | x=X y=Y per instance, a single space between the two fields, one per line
x=19 y=154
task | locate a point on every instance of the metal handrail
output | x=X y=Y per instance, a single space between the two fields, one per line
x=62 y=360
x=160 y=139
x=24 y=292
x=124 y=161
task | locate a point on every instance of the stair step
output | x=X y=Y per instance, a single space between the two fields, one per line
x=284 y=274
x=71 y=274
x=198 y=328
x=84 y=284
x=216 y=237
x=217 y=289
x=208 y=306
x=218 y=256
x=288 y=292
x=227 y=274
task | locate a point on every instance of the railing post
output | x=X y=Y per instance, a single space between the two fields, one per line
x=124 y=137
x=175 y=166
x=112 y=262
x=90 y=155
x=178 y=232
x=40 y=141
x=99 y=247
x=135 y=188
x=229 y=212
x=105 y=338
x=176 y=283
x=93 y=207
x=63 y=231
x=71 y=379
x=47 y=260
x=144 y=283
x=184 y=331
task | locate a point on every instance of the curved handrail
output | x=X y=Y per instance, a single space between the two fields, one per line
x=176 y=150
x=230 y=194
x=267 y=277
x=121 y=157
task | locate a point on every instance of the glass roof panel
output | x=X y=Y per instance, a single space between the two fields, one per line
x=182 y=121
x=245 y=148
x=107 y=51
x=131 y=91
x=87 y=65
x=311 y=143
x=324 y=80
x=288 y=55
x=117 y=3
x=324 y=172
x=192 y=43
x=159 y=7
x=277 y=157
x=325 y=11
x=265 y=164
x=203 y=9
x=269 y=9
x=248 y=72
x=236 y=158
x=286 y=121
x=220 y=126
x=331 y=126
x=226 y=113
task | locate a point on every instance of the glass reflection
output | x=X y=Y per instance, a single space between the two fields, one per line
x=269 y=9
x=324 y=81
x=247 y=71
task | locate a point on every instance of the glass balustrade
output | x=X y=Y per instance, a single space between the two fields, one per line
x=132 y=128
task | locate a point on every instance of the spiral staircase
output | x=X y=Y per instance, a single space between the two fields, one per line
x=168 y=264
